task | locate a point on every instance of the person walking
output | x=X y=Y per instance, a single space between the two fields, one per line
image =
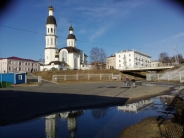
x=133 y=82
x=127 y=81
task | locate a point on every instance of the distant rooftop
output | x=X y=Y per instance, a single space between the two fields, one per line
x=18 y=58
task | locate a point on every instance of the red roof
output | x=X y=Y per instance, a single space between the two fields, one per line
x=17 y=58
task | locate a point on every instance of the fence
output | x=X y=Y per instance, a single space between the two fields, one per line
x=169 y=76
x=84 y=77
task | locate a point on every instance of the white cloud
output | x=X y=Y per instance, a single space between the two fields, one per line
x=99 y=32
x=178 y=35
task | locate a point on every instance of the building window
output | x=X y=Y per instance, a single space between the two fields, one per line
x=19 y=63
x=119 y=65
x=129 y=55
x=19 y=77
x=19 y=68
x=64 y=56
x=129 y=59
x=9 y=68
x=119 y=56
x=119 y=60
x=51 y=30
x=25 y=63
x=48 y=30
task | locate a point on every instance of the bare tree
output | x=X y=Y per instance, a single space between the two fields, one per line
x=102 y=57
x=164 y=57
x=180 y=59
x=94 y=54
x=98 y=57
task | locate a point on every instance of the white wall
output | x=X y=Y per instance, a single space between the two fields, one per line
x=131 y=59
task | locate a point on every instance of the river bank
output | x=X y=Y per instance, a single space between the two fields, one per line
x=169 y=125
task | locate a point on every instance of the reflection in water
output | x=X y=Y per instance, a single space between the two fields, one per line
x=136 y=107
x=159 y=84
x=89 y=123
x=98 y=113
x=51 y=123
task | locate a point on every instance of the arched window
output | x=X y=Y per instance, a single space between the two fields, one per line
x=51 y=30
x=48 y=30
x=64 y=56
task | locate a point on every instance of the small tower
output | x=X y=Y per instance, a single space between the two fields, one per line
x=71 y=40
x=50 y=38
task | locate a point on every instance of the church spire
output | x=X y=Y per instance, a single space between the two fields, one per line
x=51 y=3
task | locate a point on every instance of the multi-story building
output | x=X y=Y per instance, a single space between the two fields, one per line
x=111 y=62
x=16 y=64
x=132 y=59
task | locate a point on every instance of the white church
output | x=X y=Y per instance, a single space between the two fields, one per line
x=68 y=57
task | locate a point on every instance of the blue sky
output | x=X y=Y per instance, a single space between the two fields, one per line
x=149 y=26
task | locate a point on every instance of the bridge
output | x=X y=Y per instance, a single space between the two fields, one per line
x=149 y=68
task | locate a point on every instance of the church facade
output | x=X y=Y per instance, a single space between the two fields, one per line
x=68 y=57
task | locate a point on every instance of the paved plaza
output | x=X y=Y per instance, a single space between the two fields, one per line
x=21 y=103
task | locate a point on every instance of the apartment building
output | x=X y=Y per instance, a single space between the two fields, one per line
x=111 y=62
x=132 y=59
x=16 y=64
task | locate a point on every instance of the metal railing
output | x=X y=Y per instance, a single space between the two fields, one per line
x=85 y=77
x=168 y=76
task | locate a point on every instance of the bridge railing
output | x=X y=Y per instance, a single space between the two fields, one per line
x=147 y=66
x=168 y=76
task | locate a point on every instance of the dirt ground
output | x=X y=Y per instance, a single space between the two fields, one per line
x=158 y=127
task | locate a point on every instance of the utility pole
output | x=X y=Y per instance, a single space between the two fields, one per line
x=176 y=56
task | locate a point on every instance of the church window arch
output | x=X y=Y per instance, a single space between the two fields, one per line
x=51 y=30
x=64 y=56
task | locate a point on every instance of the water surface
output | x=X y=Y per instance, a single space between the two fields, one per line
x=88 y=123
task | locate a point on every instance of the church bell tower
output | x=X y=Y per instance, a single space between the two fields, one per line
x=51 y=37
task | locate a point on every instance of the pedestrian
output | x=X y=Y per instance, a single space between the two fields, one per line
x=133 y=82
x=127 y=81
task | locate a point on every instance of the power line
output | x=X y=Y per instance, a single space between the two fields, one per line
x=65 y=38
x=21 y=29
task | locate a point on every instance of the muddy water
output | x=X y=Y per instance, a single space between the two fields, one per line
x=88 y=123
